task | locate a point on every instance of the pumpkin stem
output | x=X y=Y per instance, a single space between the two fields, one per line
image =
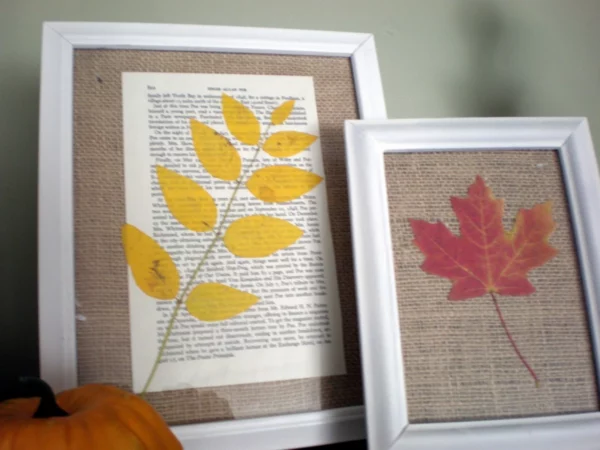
x=35 y=387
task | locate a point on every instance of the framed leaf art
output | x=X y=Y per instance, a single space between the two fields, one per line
x=477 y=257
x=195 y=239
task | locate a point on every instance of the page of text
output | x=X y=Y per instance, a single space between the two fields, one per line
x=294 y=330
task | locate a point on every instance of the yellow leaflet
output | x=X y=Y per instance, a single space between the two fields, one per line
x=241 y=122
x=281 y=113
x=189 y=202
x=288 y=143
x=259 y=236
x=211 y=302
x=281 y=183
x=218 y=156
x=153 y=269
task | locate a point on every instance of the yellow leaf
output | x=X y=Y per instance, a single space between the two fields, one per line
x=153 y=269
x=212 y=302
x=242 y=122
x=259 y=236
x=281 y=113
x=281 y=183
x=288 y=143
x=218 y=156
x=189 y=202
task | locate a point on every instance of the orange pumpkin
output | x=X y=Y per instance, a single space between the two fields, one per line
x=92 y=416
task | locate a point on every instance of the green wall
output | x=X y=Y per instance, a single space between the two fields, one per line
x=437 y=57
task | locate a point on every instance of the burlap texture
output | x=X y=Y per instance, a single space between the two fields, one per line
x=459 y=364
x=103 y=343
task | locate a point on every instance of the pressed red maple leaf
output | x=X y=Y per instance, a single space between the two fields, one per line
x=485 y=258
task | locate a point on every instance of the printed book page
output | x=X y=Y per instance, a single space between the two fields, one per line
x=247 y=275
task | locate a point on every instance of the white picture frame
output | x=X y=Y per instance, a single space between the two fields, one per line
x=381 y=350
x=57 y=324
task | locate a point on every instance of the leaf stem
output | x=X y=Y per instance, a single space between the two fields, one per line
x=178 y=303
x=241 y=179
x=512 y=341
x=216 y=238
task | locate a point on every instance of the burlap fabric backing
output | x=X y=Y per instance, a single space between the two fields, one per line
x=103 y=342
x=459 y=364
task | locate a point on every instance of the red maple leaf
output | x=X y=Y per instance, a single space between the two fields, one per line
x=485 y=258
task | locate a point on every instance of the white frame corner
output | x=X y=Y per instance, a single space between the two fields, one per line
x=57 y=334
x=386 y=409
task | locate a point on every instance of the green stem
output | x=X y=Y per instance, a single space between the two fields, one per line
x=178 y=304
x=179 y=300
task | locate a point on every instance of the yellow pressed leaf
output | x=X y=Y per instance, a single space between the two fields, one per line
x=281 y=183
x=152 y=268
x=218 y=156
x=189 y=202
x=242 y=122
x=211 y=302
x=259 y=236
x=281 y=113
x=288 y=143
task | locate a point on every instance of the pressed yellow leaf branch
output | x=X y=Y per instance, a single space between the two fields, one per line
x=250 y=237
x=202 y=148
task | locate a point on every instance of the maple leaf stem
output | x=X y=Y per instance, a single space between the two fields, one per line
x=512 y=341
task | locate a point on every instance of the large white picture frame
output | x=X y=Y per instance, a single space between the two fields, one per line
x=57 y=332
x=384 y=383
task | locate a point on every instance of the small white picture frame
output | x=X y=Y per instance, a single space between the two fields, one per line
x=57 y=302
x=382 y=352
